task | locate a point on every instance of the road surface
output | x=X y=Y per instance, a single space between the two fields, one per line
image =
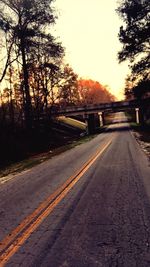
x=87 y=207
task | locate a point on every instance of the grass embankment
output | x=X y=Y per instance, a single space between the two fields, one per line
x=26 y=164
x=72 y=122
x=142 y=135
x=59 y=141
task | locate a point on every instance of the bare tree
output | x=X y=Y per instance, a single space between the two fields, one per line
x=26 y=24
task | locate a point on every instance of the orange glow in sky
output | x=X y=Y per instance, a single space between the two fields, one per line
x=89 y=30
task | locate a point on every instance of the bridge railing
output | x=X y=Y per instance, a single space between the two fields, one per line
x=56 y=110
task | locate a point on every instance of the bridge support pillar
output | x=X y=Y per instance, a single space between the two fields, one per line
x=137 y=115
x=101 y=119
x=90 y=123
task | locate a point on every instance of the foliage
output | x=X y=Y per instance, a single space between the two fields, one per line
x=35 y=76
x=136 y=87
x=142 y=88
x=92 y=92
x=135 y=38
x=68 y=94
x=25 y=26
x=135 y=34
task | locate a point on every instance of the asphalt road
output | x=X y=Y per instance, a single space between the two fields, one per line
x=102 y=220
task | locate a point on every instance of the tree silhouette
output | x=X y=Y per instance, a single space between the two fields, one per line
x=135 y=34
x=25 y=24
x=68 y=89
x=135 y=38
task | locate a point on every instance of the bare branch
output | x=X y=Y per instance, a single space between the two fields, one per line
x=8 y=62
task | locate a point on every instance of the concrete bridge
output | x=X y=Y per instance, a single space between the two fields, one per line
x=89 y=111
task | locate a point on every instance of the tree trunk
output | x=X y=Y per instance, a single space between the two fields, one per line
x=28 y=107
x=11 y=108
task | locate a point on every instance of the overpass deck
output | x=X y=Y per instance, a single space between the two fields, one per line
x=96 y=108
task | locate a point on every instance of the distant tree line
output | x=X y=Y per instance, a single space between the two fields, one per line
x=34 y=73
x=135 y=38
x=92 y=92
x=50 y=86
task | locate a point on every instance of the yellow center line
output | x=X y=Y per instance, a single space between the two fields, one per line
x=12 y=242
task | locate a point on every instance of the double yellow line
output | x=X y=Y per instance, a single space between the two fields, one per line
x=13 y=241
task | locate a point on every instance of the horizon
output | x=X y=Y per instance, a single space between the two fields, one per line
x=91 y=41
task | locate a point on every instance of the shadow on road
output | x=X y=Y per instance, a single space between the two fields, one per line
x=122 y=127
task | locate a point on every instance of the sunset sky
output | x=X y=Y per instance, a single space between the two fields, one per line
x=89 y=30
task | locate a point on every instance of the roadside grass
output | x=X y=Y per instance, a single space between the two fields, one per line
x=141 y=132
x=27 y=164
x=142 y=135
